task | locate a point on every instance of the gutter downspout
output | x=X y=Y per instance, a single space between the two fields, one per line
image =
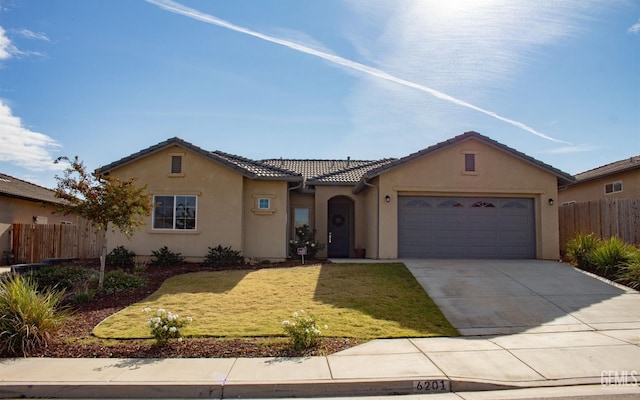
x=288 y=234
x=377 y=216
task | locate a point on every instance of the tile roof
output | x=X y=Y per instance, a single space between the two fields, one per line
x=327 y=171
x=610 y=169
x=14 y=187
x=257 y=168
x=323 y=172
x=245 y=166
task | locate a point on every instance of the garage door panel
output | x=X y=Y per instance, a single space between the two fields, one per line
x=466 y=227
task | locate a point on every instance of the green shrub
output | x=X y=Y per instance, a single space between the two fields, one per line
x=303 y=331
x=629 y=274
x=120 y=281
x=61 y=277
x=121 y=257
x=610 y=254
x=83 y=297
x=164 y=257
x=219 y=257
x=580 y=247
x=28 y=317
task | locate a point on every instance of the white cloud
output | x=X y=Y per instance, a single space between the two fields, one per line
x=23 y=147
x=635 y=28
x=9 y=50
x=6 y=48
x=26 y=33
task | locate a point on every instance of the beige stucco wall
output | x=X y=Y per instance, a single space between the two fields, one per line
x=370 y=226
x=442 y=173
x=265 y=232
x=219 y=192
x=594 y=190
x=13 y=211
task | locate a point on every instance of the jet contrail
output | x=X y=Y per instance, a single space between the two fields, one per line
x=178 y=8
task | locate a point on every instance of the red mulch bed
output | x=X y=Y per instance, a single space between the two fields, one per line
x=75 y=339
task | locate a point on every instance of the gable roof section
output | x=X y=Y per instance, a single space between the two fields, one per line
x=563 y=178
x=248 y=168
x=628 y=164
x=17 y=188
x=317 y=172
x=349 y=176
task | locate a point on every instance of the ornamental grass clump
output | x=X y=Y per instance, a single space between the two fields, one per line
x=610 y=255
x=303 y=331
x=28 y=317
x=165 y=325
x=580 y=247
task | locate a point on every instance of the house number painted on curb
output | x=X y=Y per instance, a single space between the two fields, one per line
x=436 y=385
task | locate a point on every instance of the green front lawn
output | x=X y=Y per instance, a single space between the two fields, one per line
x=363 y=301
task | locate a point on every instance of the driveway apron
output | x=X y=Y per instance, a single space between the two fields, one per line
x=496 y=297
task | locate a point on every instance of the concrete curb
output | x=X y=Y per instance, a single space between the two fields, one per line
x=248 y=390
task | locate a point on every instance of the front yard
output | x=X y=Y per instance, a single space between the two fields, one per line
x=238 y=312
x=360 y=301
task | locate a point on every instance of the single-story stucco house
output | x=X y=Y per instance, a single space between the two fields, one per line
x=22 y=202
x=467 y=197
x=616 y=180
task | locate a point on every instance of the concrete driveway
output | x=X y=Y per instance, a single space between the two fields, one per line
x=496 y=297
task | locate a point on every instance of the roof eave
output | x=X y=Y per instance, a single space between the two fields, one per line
x=325 y=183
x=607 y=174
x=33 y=199
x=279 y=178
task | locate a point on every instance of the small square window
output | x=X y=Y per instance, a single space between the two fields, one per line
x=264 y=204
x=613 y=187
x=176 y=164
x=469 y=162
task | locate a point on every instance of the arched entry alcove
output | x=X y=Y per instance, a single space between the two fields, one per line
x=340 y=226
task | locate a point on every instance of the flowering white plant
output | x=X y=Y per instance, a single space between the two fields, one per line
x=165 y=325
x=305 y=237
x=303 y=330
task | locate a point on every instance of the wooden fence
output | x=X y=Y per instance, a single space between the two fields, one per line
x=33 y=242
x=605 y=218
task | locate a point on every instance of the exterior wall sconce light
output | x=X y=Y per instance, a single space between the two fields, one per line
x=387 y=198
x=550 y=202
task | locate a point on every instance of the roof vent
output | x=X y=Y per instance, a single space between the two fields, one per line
x=348 y=161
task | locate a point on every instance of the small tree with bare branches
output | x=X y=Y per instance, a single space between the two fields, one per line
x=102 y=199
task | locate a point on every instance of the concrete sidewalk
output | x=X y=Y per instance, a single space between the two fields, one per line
x=380 y=367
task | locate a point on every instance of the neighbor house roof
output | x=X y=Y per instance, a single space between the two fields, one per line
x=14 y=187
x=563 y=178
x=613 y=168
x=249 y=168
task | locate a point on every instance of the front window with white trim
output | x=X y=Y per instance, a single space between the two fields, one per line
x=613 y=187
x=174 y=212
x=264 y=203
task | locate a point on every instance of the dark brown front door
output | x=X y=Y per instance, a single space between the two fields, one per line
x=339 y=225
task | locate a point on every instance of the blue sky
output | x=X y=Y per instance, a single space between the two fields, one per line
x=559 y=81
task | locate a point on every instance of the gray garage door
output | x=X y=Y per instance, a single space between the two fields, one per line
x=466 y=227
